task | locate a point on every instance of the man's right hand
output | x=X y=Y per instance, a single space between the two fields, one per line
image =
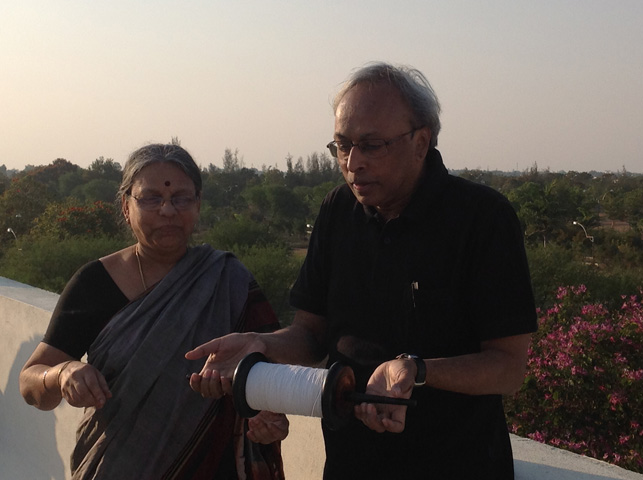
x=224 y=354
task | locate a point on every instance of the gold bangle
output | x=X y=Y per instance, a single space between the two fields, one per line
x=44 y=381
x=61 y=371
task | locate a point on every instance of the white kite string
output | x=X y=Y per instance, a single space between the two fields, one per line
x=289 y=389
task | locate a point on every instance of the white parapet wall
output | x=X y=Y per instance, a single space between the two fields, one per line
x=35 y=444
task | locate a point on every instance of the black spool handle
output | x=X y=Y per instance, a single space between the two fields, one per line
x=239 y=380
x=357 y=397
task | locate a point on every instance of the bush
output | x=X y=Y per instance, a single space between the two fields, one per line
x=556 y=265
x=584 y=386
x=275 y=268
x=49 y=263
x=240 y=231
x=71 y=218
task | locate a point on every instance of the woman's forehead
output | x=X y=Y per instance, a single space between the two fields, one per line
x=163 y=176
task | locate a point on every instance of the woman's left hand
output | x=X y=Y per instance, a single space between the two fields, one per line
x=267 y=427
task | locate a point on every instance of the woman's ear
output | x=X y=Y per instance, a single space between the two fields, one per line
x=125 y=208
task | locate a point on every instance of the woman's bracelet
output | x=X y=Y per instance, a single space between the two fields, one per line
x=61 y=370
x=44 y=380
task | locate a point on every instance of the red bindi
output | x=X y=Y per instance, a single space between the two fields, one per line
x=167 y=183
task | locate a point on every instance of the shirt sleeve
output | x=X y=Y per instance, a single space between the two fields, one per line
x=502 y=292
x=88 y=301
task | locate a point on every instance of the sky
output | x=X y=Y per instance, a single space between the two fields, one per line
x=552 y=84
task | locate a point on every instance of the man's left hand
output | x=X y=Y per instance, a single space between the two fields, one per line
x=395 y=378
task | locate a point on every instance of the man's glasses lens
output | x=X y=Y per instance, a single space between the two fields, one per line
x=370 y=148
x=375 y=148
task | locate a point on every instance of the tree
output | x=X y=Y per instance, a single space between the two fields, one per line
x=546 y=211
x=24 y=200
x=278 y=206
x=275 y=269
x=68 y=182
x=633 y=208
x=105 y=169
x=47 y=263
x=231 y=161
x=4 y=179
x=70 y=218
x=238 y=232
x=98 y=190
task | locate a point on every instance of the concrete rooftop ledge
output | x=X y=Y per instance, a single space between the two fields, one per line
x=35 y=444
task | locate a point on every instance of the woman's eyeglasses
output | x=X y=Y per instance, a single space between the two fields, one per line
x=154 y=202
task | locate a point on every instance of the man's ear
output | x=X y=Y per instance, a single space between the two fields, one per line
x=423 y=140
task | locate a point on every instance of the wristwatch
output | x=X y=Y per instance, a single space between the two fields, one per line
x=420 y=378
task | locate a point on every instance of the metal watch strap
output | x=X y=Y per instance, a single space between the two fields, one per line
x=420 y=378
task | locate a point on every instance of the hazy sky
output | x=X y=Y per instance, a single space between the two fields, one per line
x=553 y=82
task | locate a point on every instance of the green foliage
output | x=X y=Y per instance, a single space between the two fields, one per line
x=46 y=262
x=633 y=208
x=105 y=169
x=275 y=268
x=97 y=189
x=277 y=206
x=240 y=231
x=555 y=265
x=546 y=210
x=68 y=182
x=24 y=200
x=71 y=218
x=313 y=197
x=270 y=260
x=49 y=175
x=4 y=179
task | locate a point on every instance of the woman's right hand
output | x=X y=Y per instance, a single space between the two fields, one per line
x=51 y=375
x=224 y=354
x=82 y=385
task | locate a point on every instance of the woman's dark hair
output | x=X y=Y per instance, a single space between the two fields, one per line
x=159 y=153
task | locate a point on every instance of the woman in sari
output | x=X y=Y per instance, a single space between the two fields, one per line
x=135 y=313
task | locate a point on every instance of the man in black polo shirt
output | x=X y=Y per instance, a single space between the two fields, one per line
x=416 y=279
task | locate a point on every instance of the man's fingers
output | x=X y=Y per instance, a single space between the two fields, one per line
x=209 y=348
x=195 y=354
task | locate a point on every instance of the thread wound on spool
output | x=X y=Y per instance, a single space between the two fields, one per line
x=286 y=389
x=295 y=390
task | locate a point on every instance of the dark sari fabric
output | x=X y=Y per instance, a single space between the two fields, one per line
x=155 y=426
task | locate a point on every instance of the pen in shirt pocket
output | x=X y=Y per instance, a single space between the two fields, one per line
x=415 y=286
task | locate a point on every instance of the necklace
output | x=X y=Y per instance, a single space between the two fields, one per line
x=140 y=269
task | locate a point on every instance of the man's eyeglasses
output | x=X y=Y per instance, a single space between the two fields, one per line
x=154 y=202
x=372 y=148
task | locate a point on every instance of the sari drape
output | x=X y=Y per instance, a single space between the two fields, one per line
x=154 y=423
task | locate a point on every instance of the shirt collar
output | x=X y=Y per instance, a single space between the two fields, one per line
x=432 y=182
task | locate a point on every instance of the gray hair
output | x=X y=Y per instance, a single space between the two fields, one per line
x=159 y=153
x=412 y=85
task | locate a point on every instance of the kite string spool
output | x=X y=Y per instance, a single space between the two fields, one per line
x=289 y=389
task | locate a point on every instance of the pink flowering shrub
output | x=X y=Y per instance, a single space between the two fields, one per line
x=584 y=386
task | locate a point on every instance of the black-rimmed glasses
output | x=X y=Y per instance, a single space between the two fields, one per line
x=154 y=202
x=372 y=148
